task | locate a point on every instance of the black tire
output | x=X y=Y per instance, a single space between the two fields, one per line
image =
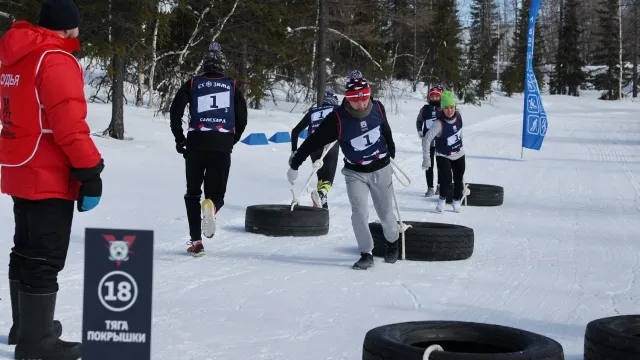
x=613 y=338
x=425 y=241
x=279 y=220
x=459 y=340
x=484 y=195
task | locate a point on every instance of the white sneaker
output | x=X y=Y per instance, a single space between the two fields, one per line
x=209 y=219
x=457 y=206
x=440 y=206
x=315 y=198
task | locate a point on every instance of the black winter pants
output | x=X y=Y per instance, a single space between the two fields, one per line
x=330 y=162
x=429 y=171
x=41 y=242
x=210 y=168
x=445 y=168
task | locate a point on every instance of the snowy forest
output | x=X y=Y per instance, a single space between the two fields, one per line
x=473 y=47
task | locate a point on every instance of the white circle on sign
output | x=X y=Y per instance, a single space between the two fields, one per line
x=132 y=282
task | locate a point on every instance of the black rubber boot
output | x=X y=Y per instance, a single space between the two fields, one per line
x=36 y=338
x=392 y=252
x=14 y=285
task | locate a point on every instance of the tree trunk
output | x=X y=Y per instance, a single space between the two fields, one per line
x=415 y=47
x=244 y=71
x=636 y=45
x=322 y=53
x=635 y=70
x=139 y=100
x=116 y=127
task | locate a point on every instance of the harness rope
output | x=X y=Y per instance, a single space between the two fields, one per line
x=316 y=166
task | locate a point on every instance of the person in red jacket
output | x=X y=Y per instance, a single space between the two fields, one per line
x=48 y=162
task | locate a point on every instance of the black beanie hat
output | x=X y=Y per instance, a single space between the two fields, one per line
x=59 y=15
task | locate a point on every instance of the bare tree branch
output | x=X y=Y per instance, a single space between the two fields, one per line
x=6 y=15
x=343 y=36
x=220 y=28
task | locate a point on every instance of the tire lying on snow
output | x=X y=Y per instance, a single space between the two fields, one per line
x=429 y=241
x=613 y=338
x=484 y=195
x=459 y=340
x=279 y=220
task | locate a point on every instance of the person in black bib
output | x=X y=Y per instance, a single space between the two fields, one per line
x=361 y=128
x=447 y=132
x=312 y=119
x=217 y=119
x=426 y=117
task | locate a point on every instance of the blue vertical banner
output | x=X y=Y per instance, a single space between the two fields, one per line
x=535 y=122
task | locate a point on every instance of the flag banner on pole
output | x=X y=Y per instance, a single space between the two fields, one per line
x=535 y=122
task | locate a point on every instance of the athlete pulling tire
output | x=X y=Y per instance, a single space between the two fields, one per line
x=450 y=156
x=427 y=115
x=361 y=128
x=218 y=117
x=327 y=172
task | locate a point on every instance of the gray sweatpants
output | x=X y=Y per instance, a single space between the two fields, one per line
x=380 y=185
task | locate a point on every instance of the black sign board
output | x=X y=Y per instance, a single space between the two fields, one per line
x=118 y=279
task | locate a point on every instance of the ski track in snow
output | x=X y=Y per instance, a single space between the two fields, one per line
x=612 y=154
x=560 y=252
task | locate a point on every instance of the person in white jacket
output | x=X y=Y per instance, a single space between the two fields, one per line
x=447 y=133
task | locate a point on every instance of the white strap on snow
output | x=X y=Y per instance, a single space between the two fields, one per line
x=316 y=166
x=403 y=226
x=431 y=349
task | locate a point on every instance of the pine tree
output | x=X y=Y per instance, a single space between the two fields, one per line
x=445 y=53
x=483 y=45
x=608 y=50
x=568 y=74
x=513 y=80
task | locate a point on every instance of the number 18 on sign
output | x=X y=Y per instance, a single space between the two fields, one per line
x=118 y=278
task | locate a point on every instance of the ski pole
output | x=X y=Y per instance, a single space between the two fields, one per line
x=316 y=166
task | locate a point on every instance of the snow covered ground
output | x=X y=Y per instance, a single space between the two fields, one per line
x=563 y=249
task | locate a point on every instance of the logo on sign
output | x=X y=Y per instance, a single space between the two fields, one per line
x=543 y=125
x=532 y=103
x=119 y=250
x=533 y=126
x=531 y=82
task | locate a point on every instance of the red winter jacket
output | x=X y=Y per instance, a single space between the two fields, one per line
x=43 y=109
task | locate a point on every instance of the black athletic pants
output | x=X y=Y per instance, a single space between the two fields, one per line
x=330 y=162
x=210 y=168
x=445 y=168
x=41 y=242
x=429 y=171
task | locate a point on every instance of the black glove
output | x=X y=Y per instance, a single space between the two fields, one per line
x=90 y=193
x=180 y=147
x=91 y=188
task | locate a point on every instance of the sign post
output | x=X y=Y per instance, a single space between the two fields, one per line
x=118 y=284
